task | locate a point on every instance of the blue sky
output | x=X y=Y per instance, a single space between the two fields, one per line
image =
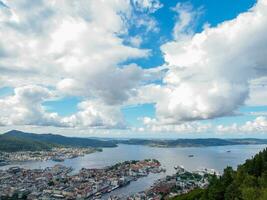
x=143 y=68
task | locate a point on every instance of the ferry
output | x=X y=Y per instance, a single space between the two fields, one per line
x=114 y=188
x=58 y=159
x=178 y=167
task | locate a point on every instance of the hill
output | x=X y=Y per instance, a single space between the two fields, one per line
x=11 y=144
x=192 y=142
x=248 y=182
x=18 y=140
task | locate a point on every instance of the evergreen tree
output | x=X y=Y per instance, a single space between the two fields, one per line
x=248 y=182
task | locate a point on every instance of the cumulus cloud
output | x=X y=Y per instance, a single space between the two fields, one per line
x=258 y=92
x=209 y=73
x=24 y=107
x=75 y=48
x=153 y=125
x=135 y=41
x=55 y=40
x=258 y=125
x=70 y=48
x=187 y=18
x=147 y=5
x=95 y=114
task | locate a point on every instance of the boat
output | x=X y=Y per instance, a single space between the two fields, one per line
x=178 y=167
x=58 y=159
x=190 y=155
x=98 y=195
x=114 y=188
x=3 y=163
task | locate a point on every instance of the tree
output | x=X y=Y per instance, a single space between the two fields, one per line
x=232 y=192
x=248 y=182
x=250 y=193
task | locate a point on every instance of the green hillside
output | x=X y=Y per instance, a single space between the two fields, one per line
x=11 y=144
x=20 y=141
x=248 y=182
x=198 y=142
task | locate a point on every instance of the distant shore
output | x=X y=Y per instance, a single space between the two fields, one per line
x=55 y=154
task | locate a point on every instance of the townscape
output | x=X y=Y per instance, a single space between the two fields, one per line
x=56 y=154
x=59 y=183
x=170 y=186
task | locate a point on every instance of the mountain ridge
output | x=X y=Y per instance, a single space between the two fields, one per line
x=19 y=140
x=45 y=141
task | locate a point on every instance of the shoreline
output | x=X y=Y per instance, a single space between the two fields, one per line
x=55 y=154
x=97 y=181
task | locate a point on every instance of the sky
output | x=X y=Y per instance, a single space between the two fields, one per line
x=134 y=68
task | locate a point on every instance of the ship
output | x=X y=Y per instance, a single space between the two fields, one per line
x=58 y=159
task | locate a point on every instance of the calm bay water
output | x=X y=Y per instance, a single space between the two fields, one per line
x=209 y=157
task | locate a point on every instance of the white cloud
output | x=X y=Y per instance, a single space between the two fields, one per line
x=147 y=5
x=153 y=125
x=210 y=72
x=135 y=41
x=258 y=92
x=79 y=48
x=76 y=48
x=147 y=94
x=24 y=107
x=258 y=113
x=148 y=23
x=95 y=114
x=70 y=41
x=187 y=18
x=258 y=125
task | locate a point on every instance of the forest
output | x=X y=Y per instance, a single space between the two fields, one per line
x=248 y=182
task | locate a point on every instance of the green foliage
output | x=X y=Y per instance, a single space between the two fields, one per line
x=51 y=183
x=192 y=142
x=12 y=144
x=21 y=141
x=193 y=195
x=248 y=182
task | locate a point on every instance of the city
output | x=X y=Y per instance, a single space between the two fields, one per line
x=58 y=183
x=179 y=183
x=56 y=154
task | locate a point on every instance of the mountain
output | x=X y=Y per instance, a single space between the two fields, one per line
x=248 y=182
x=250 y=141
x=192 y=142
x=53 y=140
x=18 y=140
x=9 y=143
